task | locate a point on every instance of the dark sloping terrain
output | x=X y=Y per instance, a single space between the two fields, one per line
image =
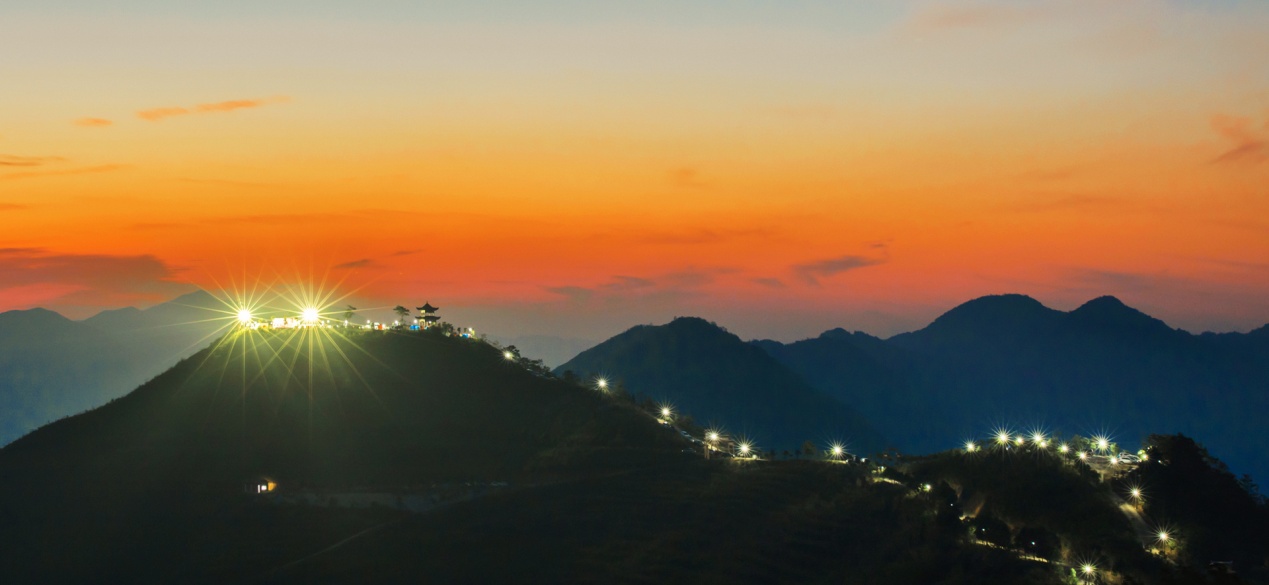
x=1008 y=360
x=150 y=486
x=699 y=522
x=712 y=375
x=51 y=367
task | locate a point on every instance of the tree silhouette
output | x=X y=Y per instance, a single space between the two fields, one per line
x=350 y=312
x=402 y=313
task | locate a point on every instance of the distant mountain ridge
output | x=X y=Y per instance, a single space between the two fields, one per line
x=712 y=375
x=1009 y=360
x=51 y=366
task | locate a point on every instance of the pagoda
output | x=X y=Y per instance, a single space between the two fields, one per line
x=429 y=316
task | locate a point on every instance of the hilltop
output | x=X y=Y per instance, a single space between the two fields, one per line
x=719 y=380
x=125 y=486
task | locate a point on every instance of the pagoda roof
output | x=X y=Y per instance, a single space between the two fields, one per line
x=428 y=308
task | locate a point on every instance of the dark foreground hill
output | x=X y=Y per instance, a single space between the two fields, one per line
x=716 y=378
x=1010 y=361
x=51 y=366
x=150 y=486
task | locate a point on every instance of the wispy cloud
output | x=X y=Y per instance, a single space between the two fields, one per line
x=156 y=114
x=93 y=122
x=12 y=160
x=1065 y=202
x=11 y=207
x=61 y=172
x=768 y=282
x=686 y=177
x=700 y=236
x=1248 y=145
x=155 y=226
x=812 y=272
x=82 y=283
x=359 y=263
x=276 y=218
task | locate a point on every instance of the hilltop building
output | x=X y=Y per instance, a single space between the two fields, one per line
x=429 y=316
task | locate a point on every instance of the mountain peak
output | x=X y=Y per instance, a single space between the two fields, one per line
x=1107 y=312
x=994 y=310
x=34 y=315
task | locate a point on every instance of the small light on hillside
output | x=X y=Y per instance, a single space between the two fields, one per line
x=508 y=355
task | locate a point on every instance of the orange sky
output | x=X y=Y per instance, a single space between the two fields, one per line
x=577 y=170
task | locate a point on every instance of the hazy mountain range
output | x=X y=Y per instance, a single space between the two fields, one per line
x=1000 y=361
x=51 y=366
x=1008 y=361
x=995 y=362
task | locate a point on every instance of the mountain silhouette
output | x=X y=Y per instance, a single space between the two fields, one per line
x=713 y=376
x=51 y=367
x=1010 y=361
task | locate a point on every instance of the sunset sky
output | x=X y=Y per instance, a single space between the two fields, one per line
x=576 y=168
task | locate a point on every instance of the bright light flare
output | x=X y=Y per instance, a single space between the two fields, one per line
x=602 y=384
x=666 y=412
x=837 y=450
x=970 y=447
x=712 y=436
x=1135 y=493
x=1063 y=448
x=507 y=355
x=745 y=448
x=310 y=315
x=1088 y=568
x=1163 y=536
x=1019 y=441
x=1102 y=443
x=1083 y=456
x=1002 y=437
x=244 y=316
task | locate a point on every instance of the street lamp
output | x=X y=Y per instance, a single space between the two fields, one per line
x=602 y=384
